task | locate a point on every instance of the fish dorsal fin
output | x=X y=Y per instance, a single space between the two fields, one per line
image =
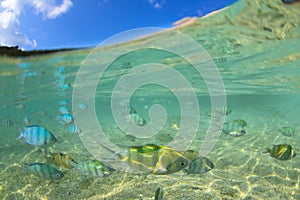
x=145 y=149
x=132 y=110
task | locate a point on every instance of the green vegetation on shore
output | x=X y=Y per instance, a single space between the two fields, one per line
x=16 y=52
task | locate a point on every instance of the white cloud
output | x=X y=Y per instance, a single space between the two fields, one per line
x=156 y=3
x=10 y=11
x=49 y=8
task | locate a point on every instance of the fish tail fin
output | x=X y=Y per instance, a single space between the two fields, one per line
x=132 y=110
x=21 y=134
x=267 y=150
x=74 y=164
x=25 y=167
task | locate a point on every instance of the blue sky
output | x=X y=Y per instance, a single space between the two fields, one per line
x=50 y=24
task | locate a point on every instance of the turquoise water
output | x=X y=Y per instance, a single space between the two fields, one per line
x=35 y=87
x=260 y=72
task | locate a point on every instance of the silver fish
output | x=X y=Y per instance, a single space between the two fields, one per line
x=199 y=165
x=94 y=168
x=66 y=118
x=287 y=131
x=7 y=122
x=73 y=129
x=220 y=112
x=136 y=118
x=37 y=136
x=235 y=128
x=43 y=170
x=83 y=106
x=237 y=133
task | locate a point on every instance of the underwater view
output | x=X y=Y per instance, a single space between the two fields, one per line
x=208 y=109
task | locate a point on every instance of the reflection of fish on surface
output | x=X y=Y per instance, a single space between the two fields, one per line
x=94 y=168
x=37 y=135
x=43 y=170
x=153 y=159
x=199 y=165
x=282 y=152
x=62 y=159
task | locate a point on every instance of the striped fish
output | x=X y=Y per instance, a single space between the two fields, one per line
x=287 y=131
x=37 y=136
x=62 y=159
x=199 y=165
x=43 y=170
x=220 y=112
x=134 y=117
x=94 y=168
x=282 y=152
x=242 y=123
x=66 y=118
x=235 y=128
x=73 y=129
x=7 y=122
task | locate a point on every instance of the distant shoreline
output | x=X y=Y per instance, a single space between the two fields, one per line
x=16 y=52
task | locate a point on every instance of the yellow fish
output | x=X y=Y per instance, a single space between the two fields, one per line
x=155 y=159
x=282 y=152
x=62 y=159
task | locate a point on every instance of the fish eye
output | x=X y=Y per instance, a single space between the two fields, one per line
x=182 y=164
x=57 y=175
